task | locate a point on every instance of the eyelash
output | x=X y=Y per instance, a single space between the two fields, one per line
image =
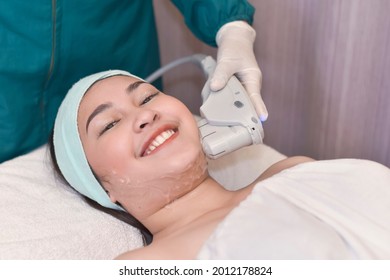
x=113 y=123
x=149 y=98
x=108 y=127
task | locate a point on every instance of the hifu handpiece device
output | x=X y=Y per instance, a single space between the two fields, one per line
x=228 y=119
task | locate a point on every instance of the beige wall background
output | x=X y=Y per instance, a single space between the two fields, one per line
x=326 y=73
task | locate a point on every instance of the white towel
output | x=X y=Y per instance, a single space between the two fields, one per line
x=336 y=209
x=43 y=219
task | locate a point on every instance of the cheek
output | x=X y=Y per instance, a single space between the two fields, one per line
x=187 y=119
x=109 y=156
x=174 y=106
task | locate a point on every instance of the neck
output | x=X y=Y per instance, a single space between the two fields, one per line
x=207 y=197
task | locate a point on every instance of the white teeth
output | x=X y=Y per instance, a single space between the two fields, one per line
x=159 y=140
x=166 y=134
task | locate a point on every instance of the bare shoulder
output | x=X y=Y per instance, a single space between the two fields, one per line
x=282 y=165
x=172 y=248
x=131 y=255
x=182 y=244
x=144 y=253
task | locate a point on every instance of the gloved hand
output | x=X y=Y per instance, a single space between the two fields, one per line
x=235 y=56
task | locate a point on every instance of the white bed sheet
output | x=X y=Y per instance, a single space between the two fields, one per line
x=335 y=209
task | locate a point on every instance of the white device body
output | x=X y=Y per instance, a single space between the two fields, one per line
x=229 y=120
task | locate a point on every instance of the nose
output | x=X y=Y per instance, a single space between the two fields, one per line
x=144 y=119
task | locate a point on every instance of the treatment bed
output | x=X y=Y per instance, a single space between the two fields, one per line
x=41 y=218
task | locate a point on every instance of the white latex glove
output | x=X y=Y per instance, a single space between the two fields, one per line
x=235 y=56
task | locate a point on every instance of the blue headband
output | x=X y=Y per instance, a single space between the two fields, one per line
x=68 y=147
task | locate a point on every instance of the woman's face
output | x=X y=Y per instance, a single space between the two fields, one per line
x=143 y=145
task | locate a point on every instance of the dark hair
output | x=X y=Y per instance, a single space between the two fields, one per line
x=120 y=215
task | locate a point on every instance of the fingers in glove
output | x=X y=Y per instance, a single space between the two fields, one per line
x=252 y=85
x=259 y=105
x=222 y=73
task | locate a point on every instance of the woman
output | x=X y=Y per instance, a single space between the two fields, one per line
x=133 y=149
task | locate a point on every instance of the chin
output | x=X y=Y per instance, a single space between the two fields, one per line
x=190 y=161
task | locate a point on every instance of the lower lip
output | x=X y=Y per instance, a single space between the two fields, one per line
x=163 y=144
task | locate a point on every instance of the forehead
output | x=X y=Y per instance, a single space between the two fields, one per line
x=105 y=91
x=113 y=83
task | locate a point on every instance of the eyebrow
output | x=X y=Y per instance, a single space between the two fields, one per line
x=99 y=109
x=133 y=86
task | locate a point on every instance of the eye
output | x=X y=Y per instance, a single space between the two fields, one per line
x=149 y=98
x=108 y=127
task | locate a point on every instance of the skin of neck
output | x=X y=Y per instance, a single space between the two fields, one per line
x=208 y=196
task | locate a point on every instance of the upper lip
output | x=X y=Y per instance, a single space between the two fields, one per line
x=154 y=135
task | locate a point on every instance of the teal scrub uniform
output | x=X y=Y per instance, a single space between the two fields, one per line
x=48 y=45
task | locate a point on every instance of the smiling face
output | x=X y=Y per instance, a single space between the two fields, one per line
x=143 y=145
